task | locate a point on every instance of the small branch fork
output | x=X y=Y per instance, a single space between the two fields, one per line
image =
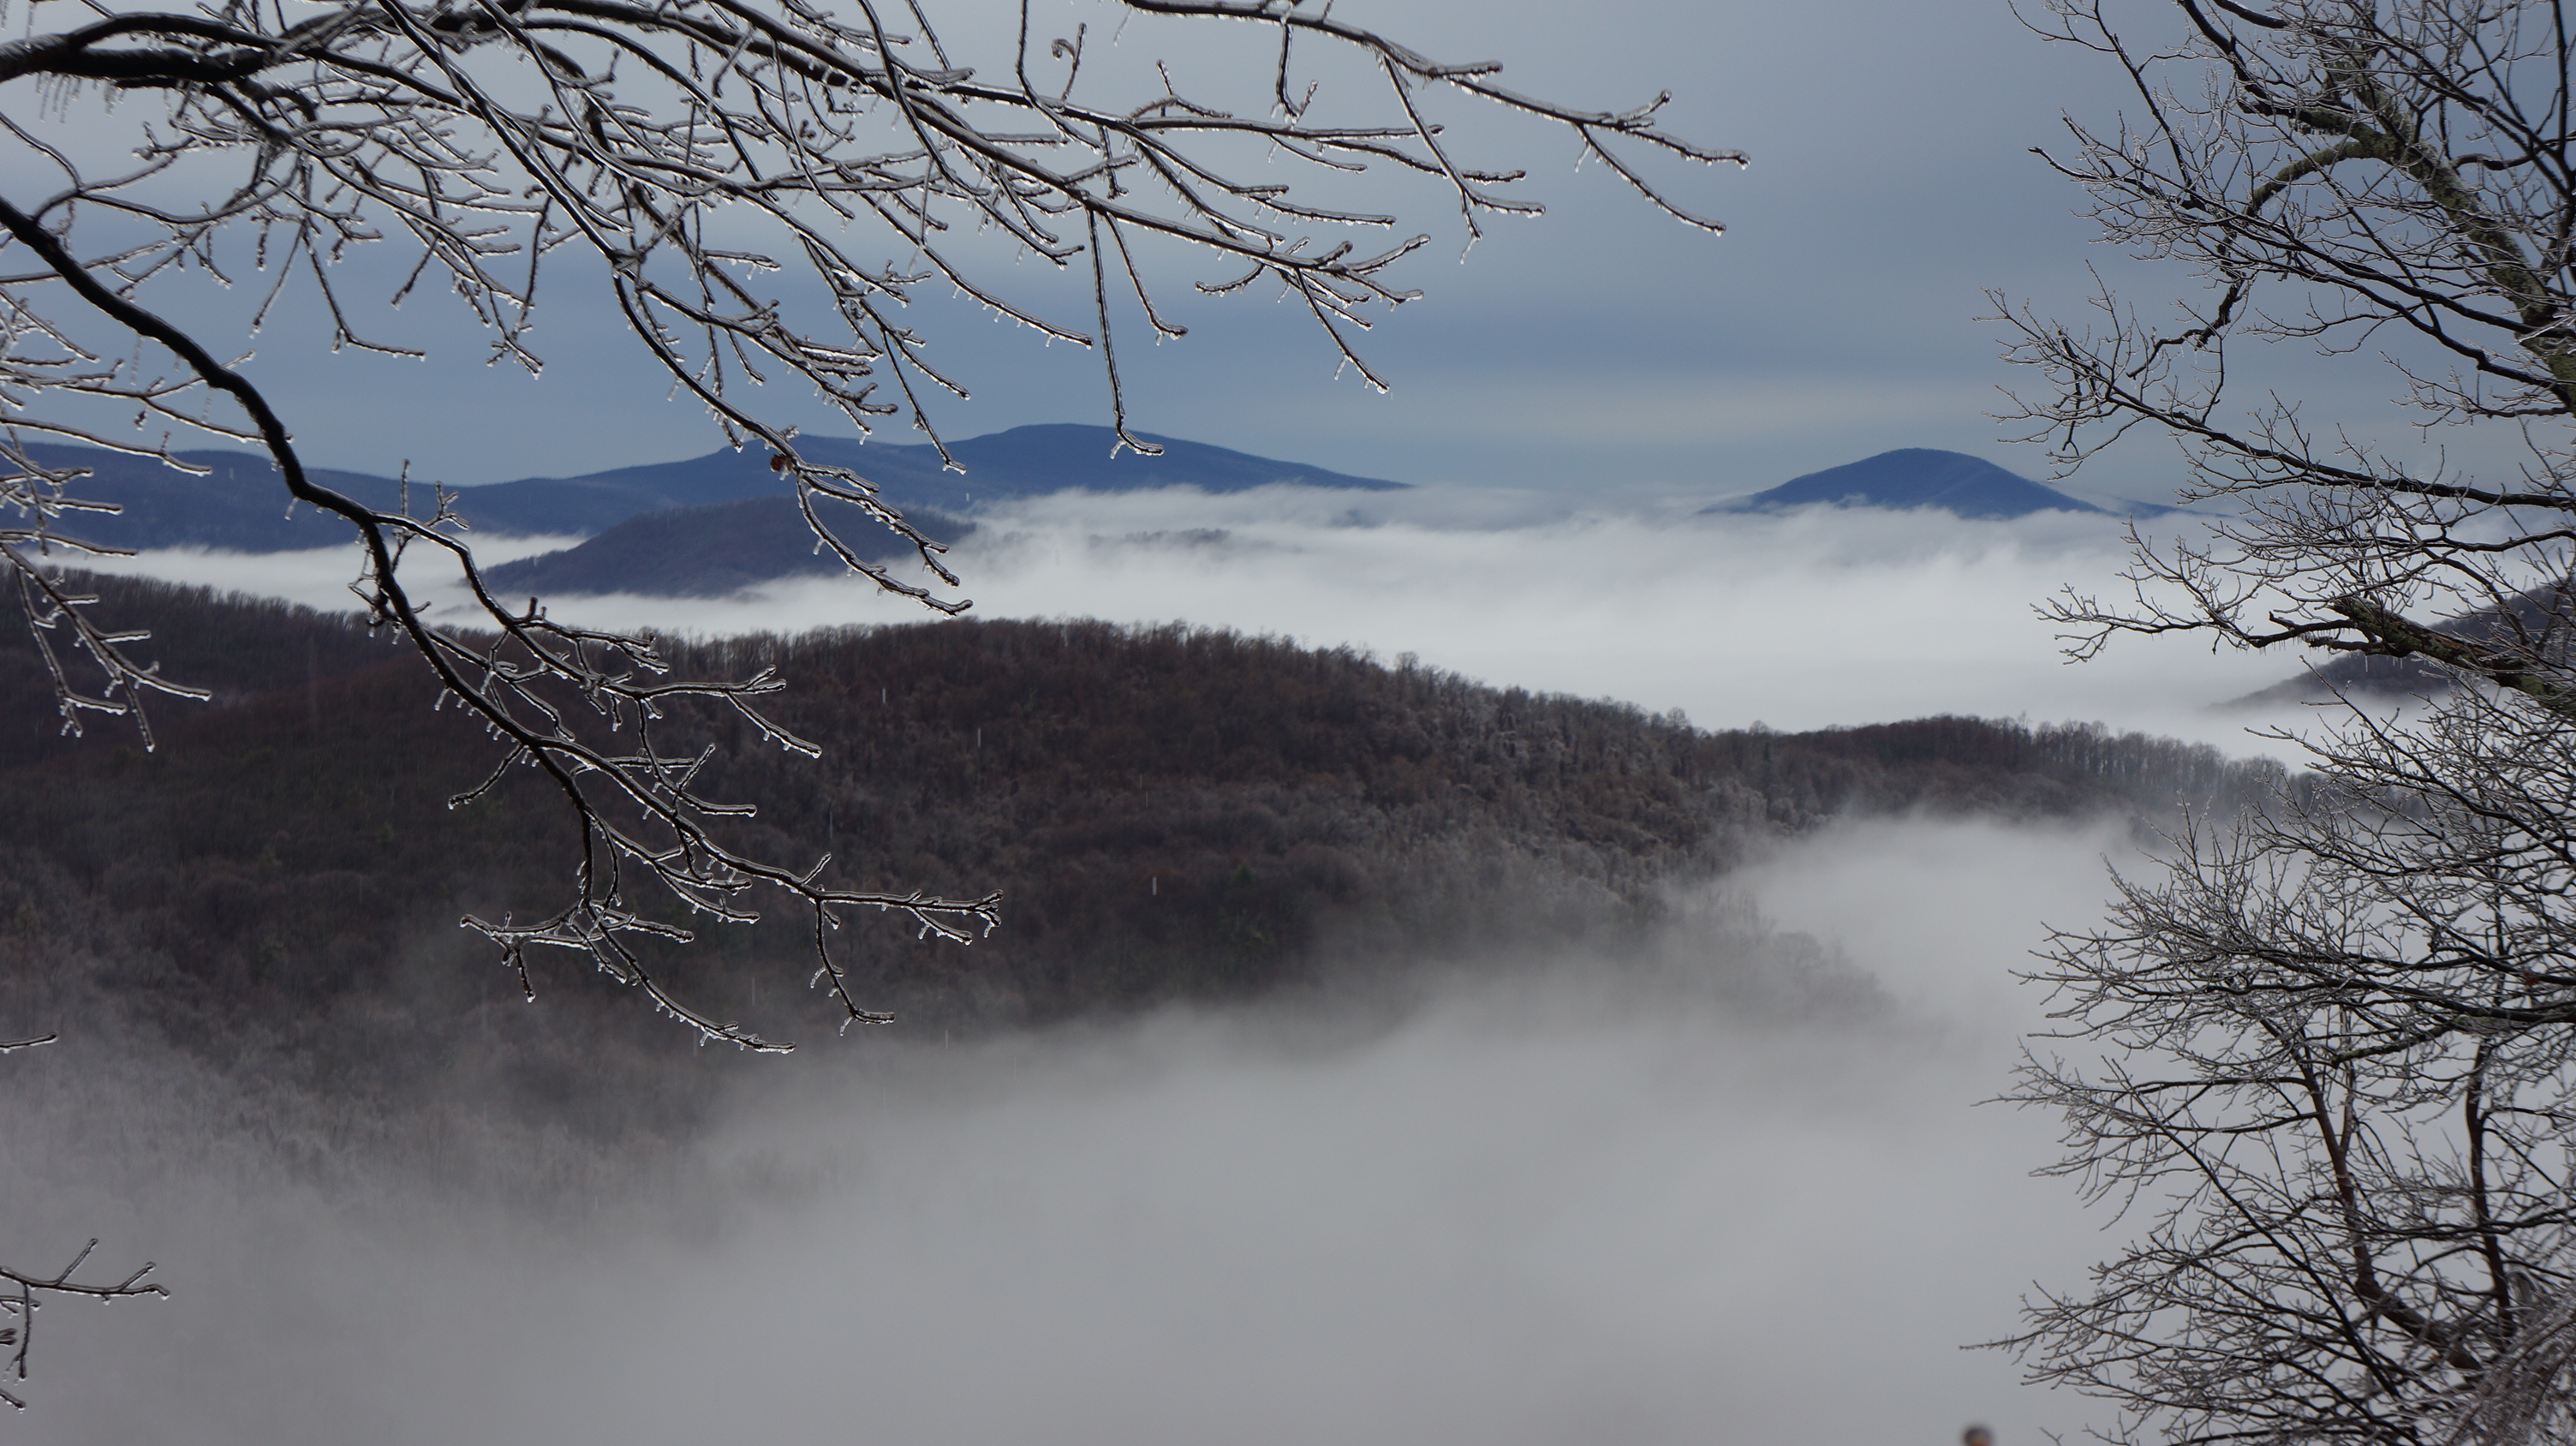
x=21 y=1294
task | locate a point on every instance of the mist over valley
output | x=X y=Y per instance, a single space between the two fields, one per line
x=1797 y=613
x=1405 y=1055
x=1150 y=722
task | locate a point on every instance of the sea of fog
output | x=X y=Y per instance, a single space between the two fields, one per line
x=1532 y=1207
x=1558 y=1203
x=1802 y=620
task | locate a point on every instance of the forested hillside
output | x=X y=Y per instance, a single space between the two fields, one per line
x=1171 y=814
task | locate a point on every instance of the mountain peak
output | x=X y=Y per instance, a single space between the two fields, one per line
x=1911 y=477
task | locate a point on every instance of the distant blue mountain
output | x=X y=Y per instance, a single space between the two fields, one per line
x=1916 y=477
x=239 y=507
x=1026 y=461
x=1022 y=462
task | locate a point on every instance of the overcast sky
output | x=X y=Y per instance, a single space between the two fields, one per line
x=1891 y=182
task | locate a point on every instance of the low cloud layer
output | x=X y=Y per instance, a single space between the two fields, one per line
x=1565 y=1205
x=1799 y=621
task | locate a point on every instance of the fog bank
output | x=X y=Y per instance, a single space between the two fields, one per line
x=1799 y=621
x=1580 y=1204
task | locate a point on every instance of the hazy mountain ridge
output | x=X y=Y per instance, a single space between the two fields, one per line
x=2352 y=675
x=716 y=549
x=736 y=508
x=1912 y=477
x=749 y=544
x=239 y=506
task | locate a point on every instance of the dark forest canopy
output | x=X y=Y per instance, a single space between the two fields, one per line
x=1170 y=813
x=1053 y=760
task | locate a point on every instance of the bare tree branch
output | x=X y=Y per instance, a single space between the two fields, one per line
x=690 y=158
x=502 y=138
x=22 y=1294
x=2328 y=1055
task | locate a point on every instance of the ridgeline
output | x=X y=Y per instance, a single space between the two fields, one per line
x=1171 y=815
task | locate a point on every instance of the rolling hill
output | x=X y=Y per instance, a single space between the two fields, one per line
x=2535 y=619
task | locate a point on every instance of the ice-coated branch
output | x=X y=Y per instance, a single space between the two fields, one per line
x=736 y=175
x=23 y=1294
x=2325 y=1058
x=2388 y=182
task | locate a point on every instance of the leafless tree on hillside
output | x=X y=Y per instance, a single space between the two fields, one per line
x=2326 y=1060
x=2378 y=180
x=2325 y=1057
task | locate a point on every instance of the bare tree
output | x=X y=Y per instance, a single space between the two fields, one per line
x=2367 y=177
x=2325 y=1053
x=2326 y=1057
